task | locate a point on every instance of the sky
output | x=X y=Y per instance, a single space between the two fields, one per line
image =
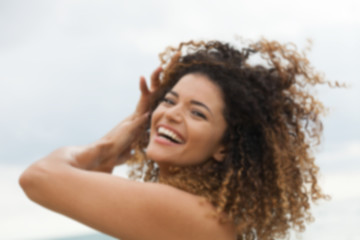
x=69 y=72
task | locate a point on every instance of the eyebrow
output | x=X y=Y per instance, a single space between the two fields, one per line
x=193 y=102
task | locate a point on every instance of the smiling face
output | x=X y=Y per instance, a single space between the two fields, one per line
x=188 y=125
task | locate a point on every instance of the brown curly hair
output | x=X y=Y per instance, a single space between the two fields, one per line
x=268 y=177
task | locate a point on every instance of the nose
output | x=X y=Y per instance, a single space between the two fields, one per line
x=174 y=113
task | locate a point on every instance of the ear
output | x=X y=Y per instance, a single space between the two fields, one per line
x=220 y=153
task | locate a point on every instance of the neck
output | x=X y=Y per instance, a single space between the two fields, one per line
x=167 y=171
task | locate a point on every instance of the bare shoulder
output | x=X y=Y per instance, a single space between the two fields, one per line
x=185 y=215
x=146 y=211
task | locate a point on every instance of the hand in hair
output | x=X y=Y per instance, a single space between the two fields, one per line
x=115 y=147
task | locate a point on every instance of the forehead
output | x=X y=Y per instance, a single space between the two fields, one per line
x=199 y=87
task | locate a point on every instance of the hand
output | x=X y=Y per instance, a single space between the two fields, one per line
x=143 y=104
x=116 y=145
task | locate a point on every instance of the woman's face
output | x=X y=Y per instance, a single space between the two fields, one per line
x=188 y=125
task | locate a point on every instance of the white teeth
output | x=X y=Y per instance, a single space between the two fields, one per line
x=170 y=134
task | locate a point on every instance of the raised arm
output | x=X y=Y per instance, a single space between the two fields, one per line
x=121 y=208
x=75 y=181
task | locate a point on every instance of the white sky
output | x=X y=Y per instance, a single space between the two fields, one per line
x=69 y=71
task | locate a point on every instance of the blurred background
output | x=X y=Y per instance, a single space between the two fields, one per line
x=69 y=72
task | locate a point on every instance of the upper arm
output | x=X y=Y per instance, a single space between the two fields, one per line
x=123 y=208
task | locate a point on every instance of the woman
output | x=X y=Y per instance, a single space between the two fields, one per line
x=224 y=147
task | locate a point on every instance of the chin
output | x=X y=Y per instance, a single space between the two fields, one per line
x=156 y=156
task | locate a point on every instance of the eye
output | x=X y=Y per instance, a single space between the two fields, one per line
x=168 y=101
x=198 y=114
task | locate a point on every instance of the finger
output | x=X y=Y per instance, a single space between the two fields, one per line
x=143 y=86
x=143 y=101
x=138 y=124
x=155 y=78
x=141 y=119
x=145 y=92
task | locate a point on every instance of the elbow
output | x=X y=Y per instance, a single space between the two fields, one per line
x=38 y=180
x=30 y=180
x=26 y=178
x=23 y=180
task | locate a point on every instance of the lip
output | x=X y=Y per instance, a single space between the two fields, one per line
x=171 y=129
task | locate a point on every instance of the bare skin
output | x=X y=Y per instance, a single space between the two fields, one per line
x=76 y=182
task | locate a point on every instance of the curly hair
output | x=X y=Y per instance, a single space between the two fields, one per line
x=268 y=176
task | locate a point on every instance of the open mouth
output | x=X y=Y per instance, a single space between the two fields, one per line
x=169 y=135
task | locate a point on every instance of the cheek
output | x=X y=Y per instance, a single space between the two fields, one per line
x=208 y=137
x=204 y=136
